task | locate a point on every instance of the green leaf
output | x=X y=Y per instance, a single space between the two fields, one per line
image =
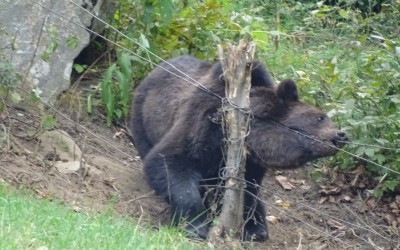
x=124 y=62
x=118 y=113
x=89 y=105
x=15 y=97
x=49 y=122
x=72 y=42
x=380 y=158
x=79 y=68
x=343 y=13
x=143 y=41
x=391 y=185
x=107 y=93
x=369 y=152
x=261 y=39
x=167 y=9
x=116 y=15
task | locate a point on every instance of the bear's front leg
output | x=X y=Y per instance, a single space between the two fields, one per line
x=175 y=180
x=187 y=207
x=254 y=214
x=256 y=227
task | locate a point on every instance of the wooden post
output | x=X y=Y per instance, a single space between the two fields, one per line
x=236 y=63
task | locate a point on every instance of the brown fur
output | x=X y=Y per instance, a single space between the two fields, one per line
x=174 y=129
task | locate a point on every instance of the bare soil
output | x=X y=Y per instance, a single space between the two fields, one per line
x=306 y=216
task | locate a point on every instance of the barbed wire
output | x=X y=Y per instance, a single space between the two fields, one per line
x=200 y=86
x=85 y=129
x=190 y=79
x=310 y=137
x=332 y=146
x=290 y=214
x=297 y=218
x=370 y=145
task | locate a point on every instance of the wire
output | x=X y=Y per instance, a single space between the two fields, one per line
x=191 y=80
x=329 y=145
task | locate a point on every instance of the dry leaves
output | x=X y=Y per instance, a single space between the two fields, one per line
x=335 y=194
x=392 y=217
x=336 y=225
x=287 y=184
x=272 y=219
x=284 y=182
x=120 y=134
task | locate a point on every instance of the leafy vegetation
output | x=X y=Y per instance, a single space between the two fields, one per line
x=7 y=86
x=351 y=69
x=345 y=56
x=116 y=94
x=28 y=223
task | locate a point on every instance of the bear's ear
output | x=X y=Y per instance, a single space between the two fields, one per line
x=287 y=91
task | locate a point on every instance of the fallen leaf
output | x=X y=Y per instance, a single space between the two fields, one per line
x=76 y=208
x=371 y=203
x=360 y=170
x=346 y=197
x=282 y=204
x=335 y=190
x=323 y=199
x=283 y=181
x=363 y=208
x=299 y=182
x=42 y=194
x=305 y=187
x=272 y=219
x=390 y=220
x=397 y=199
x=335 y=224
x=119 y=134
x=394 y=206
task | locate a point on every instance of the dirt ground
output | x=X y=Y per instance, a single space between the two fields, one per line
x=304 y=215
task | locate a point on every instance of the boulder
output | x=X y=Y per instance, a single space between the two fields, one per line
x=41 y=45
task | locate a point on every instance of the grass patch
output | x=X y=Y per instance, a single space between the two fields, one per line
x=27 y=223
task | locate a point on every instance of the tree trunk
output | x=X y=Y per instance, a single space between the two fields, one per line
x=236 y=63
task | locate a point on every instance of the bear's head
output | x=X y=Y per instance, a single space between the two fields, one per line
x=287 y=133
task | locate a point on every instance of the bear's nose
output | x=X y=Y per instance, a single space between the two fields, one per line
x=340 y=139
x=342 y=135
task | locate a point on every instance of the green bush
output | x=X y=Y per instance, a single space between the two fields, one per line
x=115 y=89
x=356 y=79
x=345 y=61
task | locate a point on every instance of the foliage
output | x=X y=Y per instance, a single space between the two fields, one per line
x=49 y=122
x=8 y=83
x=52 y=43
x=343 y=54
x=168 y=29
x=349 y=65
x=115 y=88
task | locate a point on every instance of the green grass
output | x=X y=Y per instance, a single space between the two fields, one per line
x=28 y=223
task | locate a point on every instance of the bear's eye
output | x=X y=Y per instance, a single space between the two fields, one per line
x=321 y=118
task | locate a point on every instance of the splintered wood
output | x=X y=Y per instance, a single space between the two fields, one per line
x=236 y=63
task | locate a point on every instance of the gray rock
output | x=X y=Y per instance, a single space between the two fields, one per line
x=58 y=144
x=41 y=45
x=68 y=167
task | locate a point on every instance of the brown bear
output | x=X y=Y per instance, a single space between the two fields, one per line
x=175 y=128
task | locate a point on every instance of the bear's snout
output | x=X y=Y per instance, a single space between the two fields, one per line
x=340 y=139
